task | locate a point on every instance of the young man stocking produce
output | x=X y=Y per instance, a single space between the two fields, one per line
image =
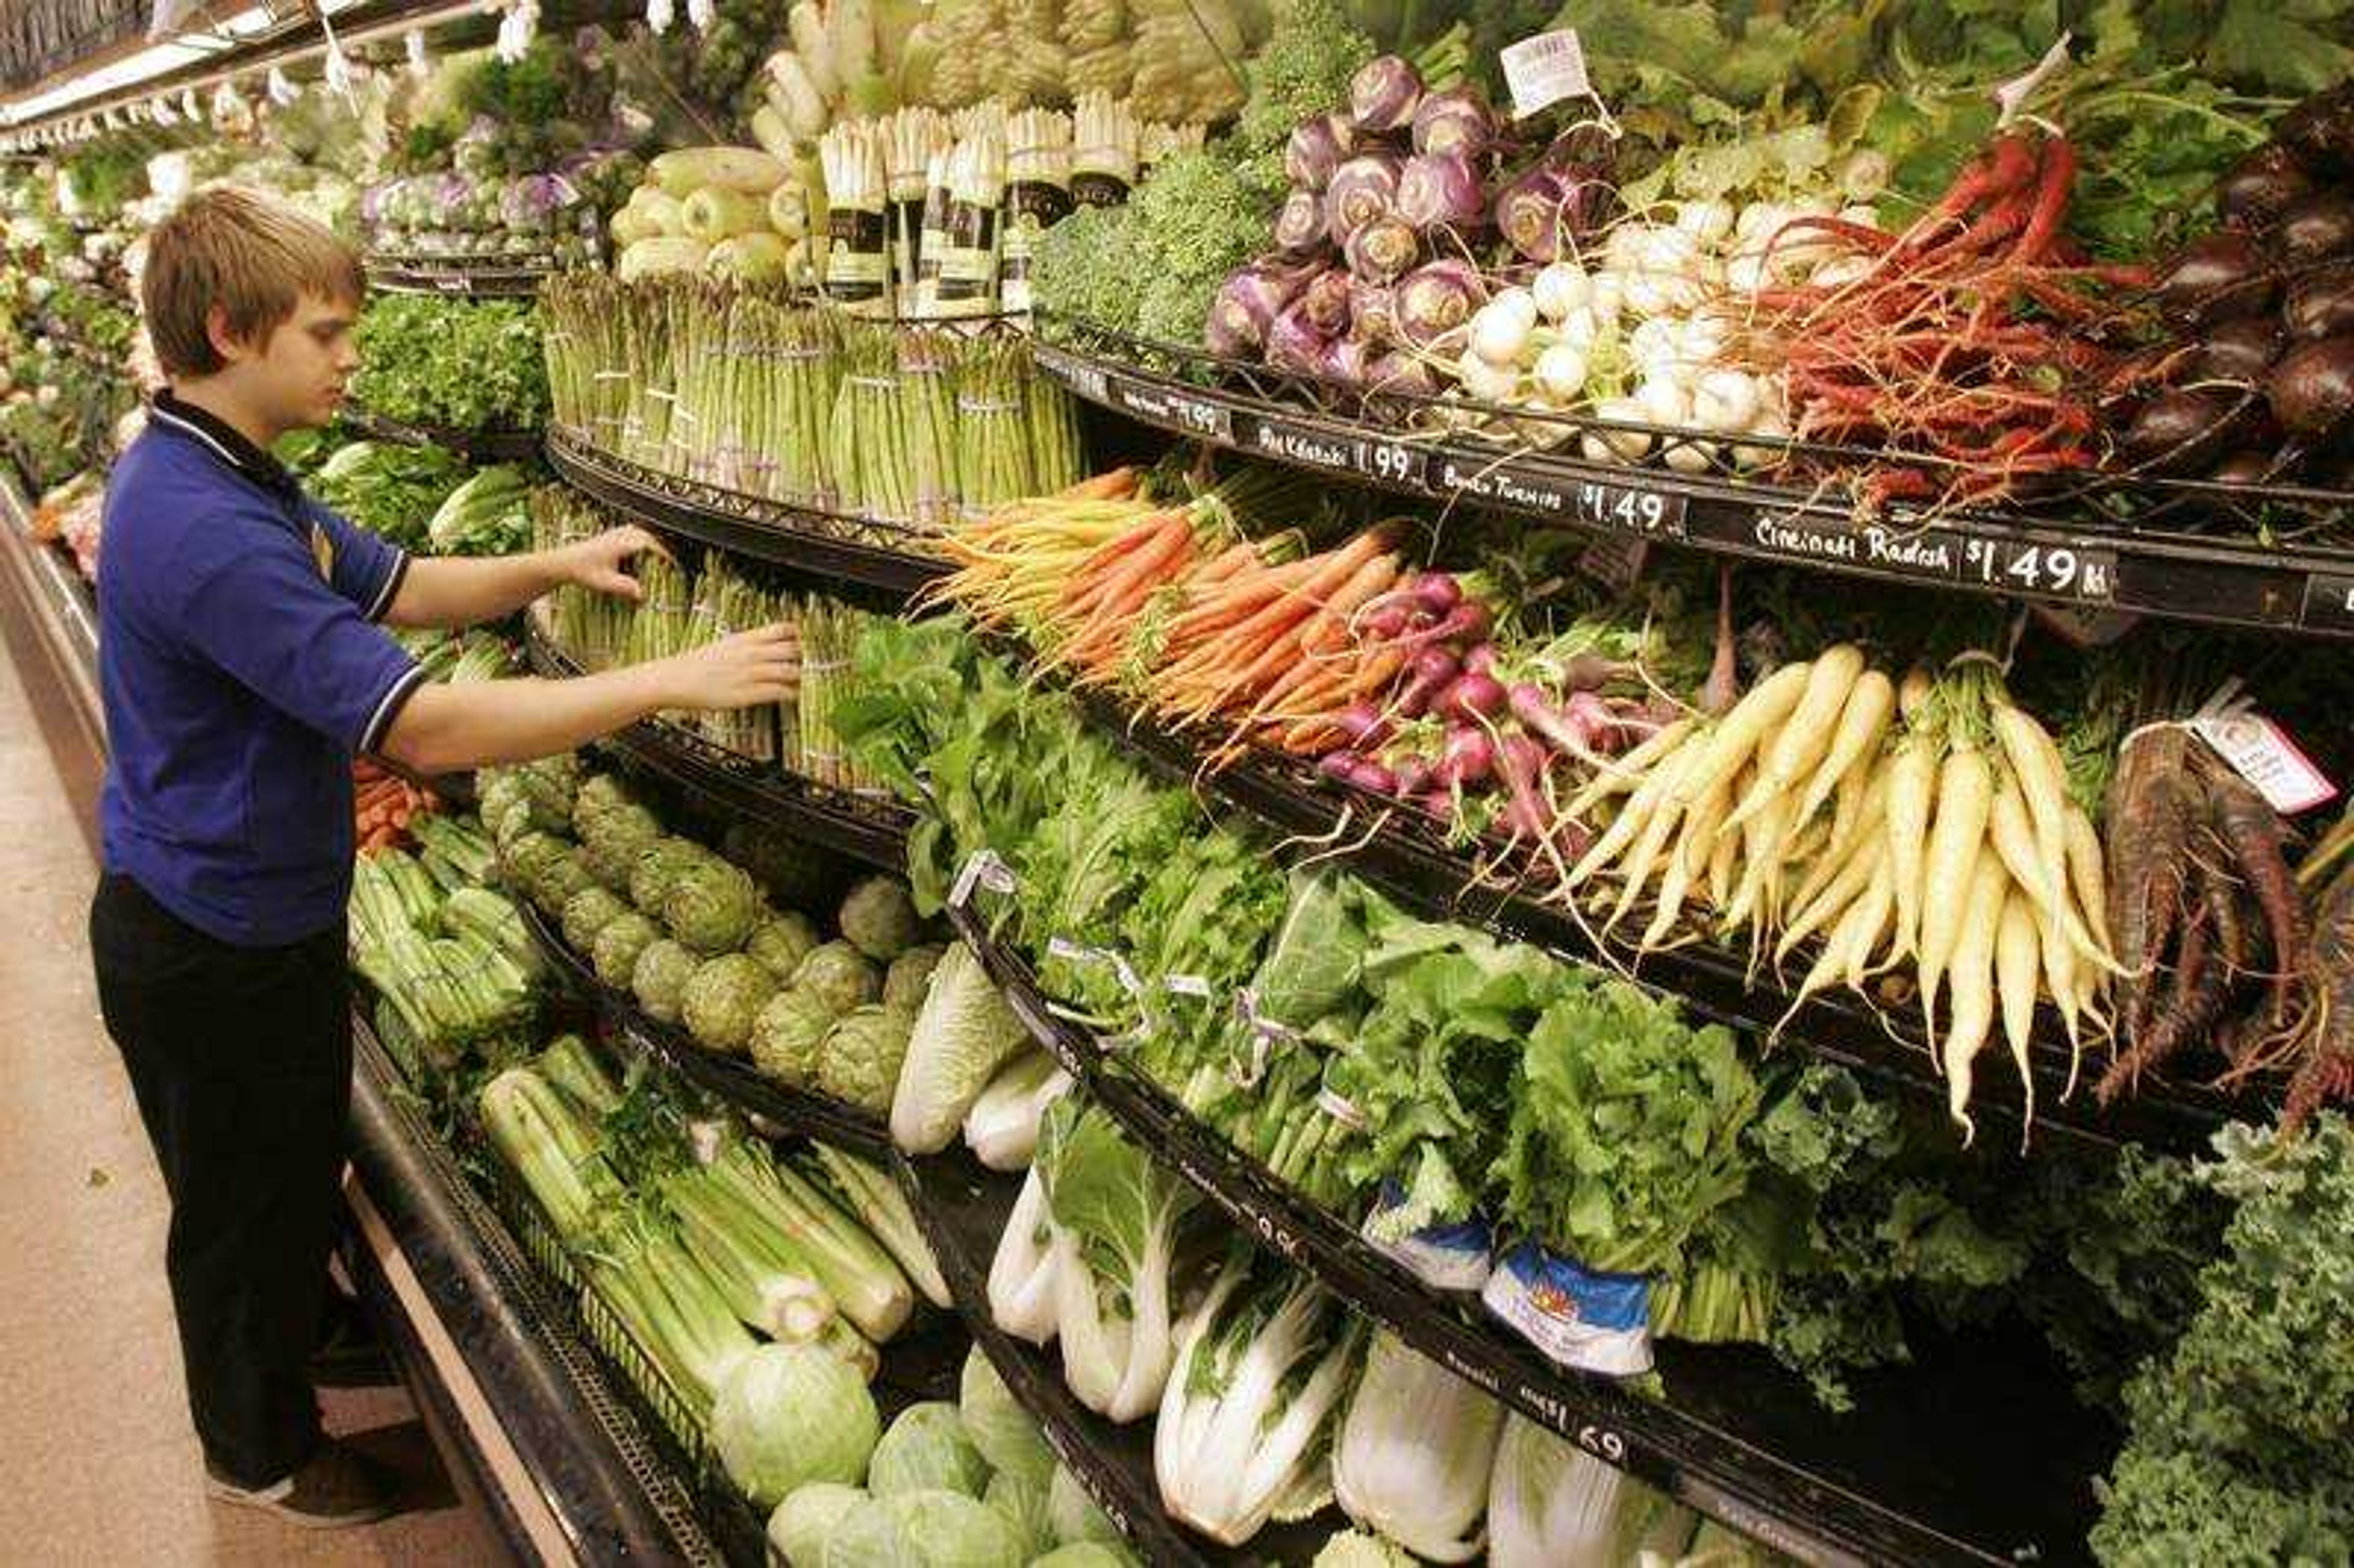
x=244 y=663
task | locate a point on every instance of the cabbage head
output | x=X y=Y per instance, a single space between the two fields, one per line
x=1086 y=1555
x=910 y=974
x=808 y=1518
x=525 y=859
x=1074 y=1515
x=659 y=978
x=618 y=946
x=859 y=1060
x=878 y=918
x=782 y=941
x=787 y=1033
x=1004 y=1431
x=1355 y=1549
x=923 y=1529
x=1019 y=1499
x=587 y=912
x=964 y=1033
x=599 y=794
x=786 y=1415
x=610 y=844
x=557 y=881
x=711 y=906
x=840 y=975
x=926 y=1449
x=659 y=865
x=721 y=1000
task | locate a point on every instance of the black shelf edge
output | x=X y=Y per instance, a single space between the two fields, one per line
x=1420 y=873
x=595 y=1470
x=727 y=1079
x=474 y=446
x=869 y=829
x=824 y=547
x=2082 y=565
x=1723 y=1441
x=465 y=280
x=962 y=1209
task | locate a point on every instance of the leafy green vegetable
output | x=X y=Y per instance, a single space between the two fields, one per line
x=788 y=1415
x=927 y=1449
x=961 y=1035
x=910 y=975
x=459 y=365
x=807 y=1519
x=389 y=488
x=1000 y=1427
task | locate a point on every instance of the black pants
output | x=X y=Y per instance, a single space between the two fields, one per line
x=241 y=1060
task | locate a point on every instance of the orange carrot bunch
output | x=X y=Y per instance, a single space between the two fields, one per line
x=384 y=804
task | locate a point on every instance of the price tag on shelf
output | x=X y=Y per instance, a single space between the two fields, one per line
x=2329 y=602
x=2059 y=569
x=1188 y=412
x=1087 y=380
x=1339 y=451
x=1541 y=71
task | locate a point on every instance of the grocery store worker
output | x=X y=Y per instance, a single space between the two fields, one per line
x=244 y=662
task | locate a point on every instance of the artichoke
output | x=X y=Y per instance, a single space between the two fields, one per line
x=624 y=937
x=786 y=1033
x=710 y=906
x=839 y=976
x=658 y=866
x=562 y=877
x=878 y=918
x=611 y=843
x=723 y=997
x=587 y=912
x=859 y=1060
x=782 y=941
x=910 y=975
x=660 y=977
x=549 y=785
x=525 y=859
x=599 y=794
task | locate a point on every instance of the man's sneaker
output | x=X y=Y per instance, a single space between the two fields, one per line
x=334 y=1487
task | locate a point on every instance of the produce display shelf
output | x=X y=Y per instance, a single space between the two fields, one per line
x=2074 y=559
x=49 y=619
x=500 y=278
x=1734 y=1435
x=1399 y=852
x=869 y=829
x=474 y=446
x=596 y=1469
x=963 y=1208
x=729 y=1078
x=836 y=549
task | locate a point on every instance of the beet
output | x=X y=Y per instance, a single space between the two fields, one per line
x=2312 y=388
x=2320 y=131
x=2215 y=279
x=2239 y=350
x=2243 y=468
x=2182 y=430
x=2261 y=186
x=2315 y=229
x=2321 y=306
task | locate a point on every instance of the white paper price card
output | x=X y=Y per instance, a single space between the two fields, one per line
x=1541 y=71
x=2261 y=752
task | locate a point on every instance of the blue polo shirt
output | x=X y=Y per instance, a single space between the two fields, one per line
x=242 y=670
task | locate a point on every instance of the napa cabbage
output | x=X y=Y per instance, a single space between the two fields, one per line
x=1414 y=1453
x=964 y=1033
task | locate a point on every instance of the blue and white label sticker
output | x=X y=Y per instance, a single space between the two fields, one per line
x=1452 y=1254
x=1580 y=1317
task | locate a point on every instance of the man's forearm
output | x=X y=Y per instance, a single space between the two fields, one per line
x=476 y=724
x=451 y=592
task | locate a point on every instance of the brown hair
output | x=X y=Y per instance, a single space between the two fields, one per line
x=252 y=256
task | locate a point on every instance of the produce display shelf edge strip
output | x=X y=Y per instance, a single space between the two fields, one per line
x=1706 y=1462
x=809 y=543
x=477 y=446
x=2086 y=567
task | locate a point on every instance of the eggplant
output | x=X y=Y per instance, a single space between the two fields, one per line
x=2261 y=186
x=2316 y=229
x=2216 y=278
x=2321 y=306
x=2239 y=350
x=2184 y=429
x=2311 y=391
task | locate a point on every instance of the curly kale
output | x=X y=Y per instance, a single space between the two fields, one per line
x=1313 y=50
x=1152 y=267
x=2238 y=1446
